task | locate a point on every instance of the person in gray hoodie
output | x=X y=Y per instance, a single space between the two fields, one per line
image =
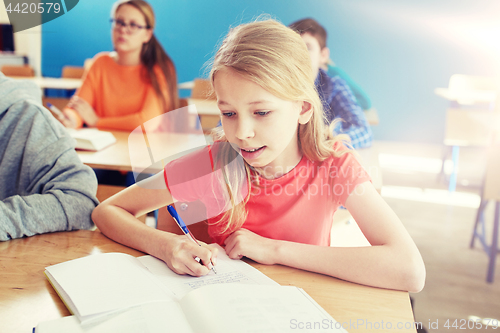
x=44 y=187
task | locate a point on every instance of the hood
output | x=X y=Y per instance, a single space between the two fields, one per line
x=15 y=90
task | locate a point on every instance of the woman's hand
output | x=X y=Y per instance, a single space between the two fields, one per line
x=67 y=119
x=84 y=110
x=244 y=243
x=181 y=254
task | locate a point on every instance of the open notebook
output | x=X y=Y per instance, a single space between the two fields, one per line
x=91 y=139
x=117 y=292
x=214 y=309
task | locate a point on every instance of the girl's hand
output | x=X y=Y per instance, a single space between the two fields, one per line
x=180 y=254
x=84 y=110
x=67 y=120
x=244 y=243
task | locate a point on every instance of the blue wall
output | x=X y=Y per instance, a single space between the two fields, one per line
x=398 y=51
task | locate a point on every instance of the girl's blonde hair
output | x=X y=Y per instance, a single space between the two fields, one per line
x=276 y=58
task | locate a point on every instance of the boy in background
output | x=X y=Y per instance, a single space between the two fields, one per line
x=338 y=99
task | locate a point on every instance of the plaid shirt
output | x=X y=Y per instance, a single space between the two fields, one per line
x=339 y=102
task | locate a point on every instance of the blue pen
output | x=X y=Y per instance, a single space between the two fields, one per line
x=185 y=230
x=56 y=111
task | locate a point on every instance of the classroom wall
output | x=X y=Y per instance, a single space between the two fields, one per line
x=398 y=51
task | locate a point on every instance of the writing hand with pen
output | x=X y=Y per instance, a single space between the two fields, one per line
x=188 y=255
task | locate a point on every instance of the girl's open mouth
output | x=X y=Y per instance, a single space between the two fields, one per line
x=250 y=153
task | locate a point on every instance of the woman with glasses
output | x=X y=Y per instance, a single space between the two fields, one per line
x=125 y=88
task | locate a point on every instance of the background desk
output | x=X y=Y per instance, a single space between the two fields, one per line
x=27 y=298
x=54 y=82
x=117 y=157
x=9 y=58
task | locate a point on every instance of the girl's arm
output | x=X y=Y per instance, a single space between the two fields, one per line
x=80 y=107
x=116 y=217
x=393 y=261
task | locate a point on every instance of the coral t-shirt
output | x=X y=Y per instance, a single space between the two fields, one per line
x=121 y=95
x=297 y=206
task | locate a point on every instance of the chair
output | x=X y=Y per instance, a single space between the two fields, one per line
x=13 y=70
x=58 y=102
x=202 y=89
x=203 y=92
x=490 y=192
x=472 y=100
x=72 y=72
x=68 y=72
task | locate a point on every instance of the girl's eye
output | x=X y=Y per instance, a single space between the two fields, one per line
x=228 y=114
x=262 y=113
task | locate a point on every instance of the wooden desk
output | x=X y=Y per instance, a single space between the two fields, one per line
x=114 y=157
x=27 y=298
x=11 y=58
x=188 y=85
x=467 y=97
x=54 y=82
x=117 y=156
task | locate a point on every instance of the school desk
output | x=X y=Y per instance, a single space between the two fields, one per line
x=207 y=111
x=27 y=298
x=117 y=156
x=54 y=82
x=188 y=85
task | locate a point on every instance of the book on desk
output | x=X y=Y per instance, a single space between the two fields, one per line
x=117 y=292
x=92 y=139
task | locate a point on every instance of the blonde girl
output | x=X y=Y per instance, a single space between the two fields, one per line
x=298 y=175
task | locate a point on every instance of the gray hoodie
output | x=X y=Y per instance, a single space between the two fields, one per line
x=43 y=185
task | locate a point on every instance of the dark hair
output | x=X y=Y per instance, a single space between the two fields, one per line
x=153 y=54
x=309 y=25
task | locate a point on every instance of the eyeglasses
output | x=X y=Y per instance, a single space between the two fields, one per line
x=130 y=28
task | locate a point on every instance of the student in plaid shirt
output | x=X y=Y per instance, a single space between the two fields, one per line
x=338 y=99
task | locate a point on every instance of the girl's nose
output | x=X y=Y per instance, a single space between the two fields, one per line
x=245 y=129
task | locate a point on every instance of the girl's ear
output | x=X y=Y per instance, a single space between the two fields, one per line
x=305 y=113
x=325 y=56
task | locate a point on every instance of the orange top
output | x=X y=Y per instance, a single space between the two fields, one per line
x=120 y=95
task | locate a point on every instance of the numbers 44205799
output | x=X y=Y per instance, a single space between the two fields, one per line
x=468 y=324
x=32 y=8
